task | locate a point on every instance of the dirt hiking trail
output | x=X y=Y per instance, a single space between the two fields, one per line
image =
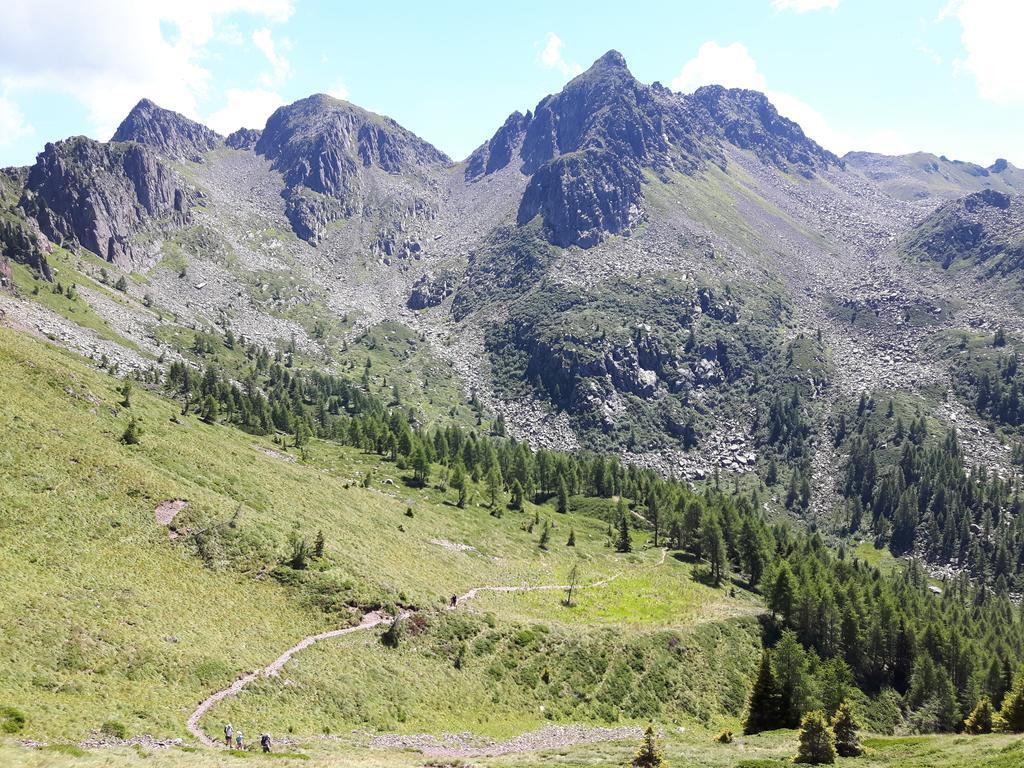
x=546 y=738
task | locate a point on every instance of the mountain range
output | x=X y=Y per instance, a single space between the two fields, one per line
x=651 y=410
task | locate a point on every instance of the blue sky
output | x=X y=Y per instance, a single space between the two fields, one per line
x=881 y=75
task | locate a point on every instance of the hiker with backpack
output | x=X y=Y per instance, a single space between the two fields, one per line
x=265 y=742
x=227 y=734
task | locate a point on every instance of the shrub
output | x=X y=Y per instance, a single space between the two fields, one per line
x=11 y=720
x=131 y=433
x=114 y=729
x=817 y=745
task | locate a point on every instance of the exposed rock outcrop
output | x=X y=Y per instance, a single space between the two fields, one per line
x=168 y=133
x=345 y=154
x=587 y=148
x=103 y=195
x=748 y=120
x=985 y=228
x=243 y=138
x=431 y=290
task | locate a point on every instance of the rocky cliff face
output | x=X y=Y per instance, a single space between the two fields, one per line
x=586 y=148
x=103 y=195
x=333 y=156
x=243 y=138
x=168 y=133
x=984 y=228
x=748 y=120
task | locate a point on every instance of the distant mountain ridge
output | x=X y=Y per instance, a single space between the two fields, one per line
x=167 y=132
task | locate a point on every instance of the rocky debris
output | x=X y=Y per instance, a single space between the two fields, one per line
x=243 y=138
x=165 y=513
x=168 y=133
x=452 y=546
x=103 y=196
x=986 y=228
x=431 y=290
x=146 y=741
x=460 y=745
x=32 y=317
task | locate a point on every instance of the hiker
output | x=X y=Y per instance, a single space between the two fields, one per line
x=455 y=600
x=265 y=742
x=238 y=740
x=227 y=734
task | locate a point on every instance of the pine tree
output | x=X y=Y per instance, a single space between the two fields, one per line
x=1011 y=715
x=817 y=746
x=623 y=544
x=493 y=484
x=764 y=705
x=210 y=411
x=649 y=755
x=517 y=495
x=980 y=719
x=572 y=538
x=545 y=536
x=845 y=729
x=319 y=544
x=563 y=495
x=458 y=482
x=420 y=465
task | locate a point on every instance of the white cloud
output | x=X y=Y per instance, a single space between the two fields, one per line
x=729 y=65
x=732 y=66
x=990 y=33
x=339 y=90
x=803 y=6
x=107 y=54
x=12 y=122
x=263 y=39
x=244 y=109
x=551 y=57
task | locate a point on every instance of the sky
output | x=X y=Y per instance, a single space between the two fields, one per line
x=893 y=76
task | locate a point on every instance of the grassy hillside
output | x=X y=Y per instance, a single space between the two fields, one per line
x=106 y=618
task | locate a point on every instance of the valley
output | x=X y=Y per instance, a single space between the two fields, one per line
x=311 y=429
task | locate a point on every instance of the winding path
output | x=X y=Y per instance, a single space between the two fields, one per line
x=369 y=621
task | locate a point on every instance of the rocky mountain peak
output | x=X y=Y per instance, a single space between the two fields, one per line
x=332 y=148
x=169 y=133
x=103 y=195
x=748 y=120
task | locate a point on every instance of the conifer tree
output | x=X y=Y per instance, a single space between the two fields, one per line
x=649 y=755
x=545 y=536
x=980 y=719
x=319 y=544
x=563 y=495
x=764 y=705
x=845 y=729
x=817 y=745
x=458 y=482
x=623 y=544
x=572 y=538
x=493 y=484
x=517 y=495
x=1011 y=715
